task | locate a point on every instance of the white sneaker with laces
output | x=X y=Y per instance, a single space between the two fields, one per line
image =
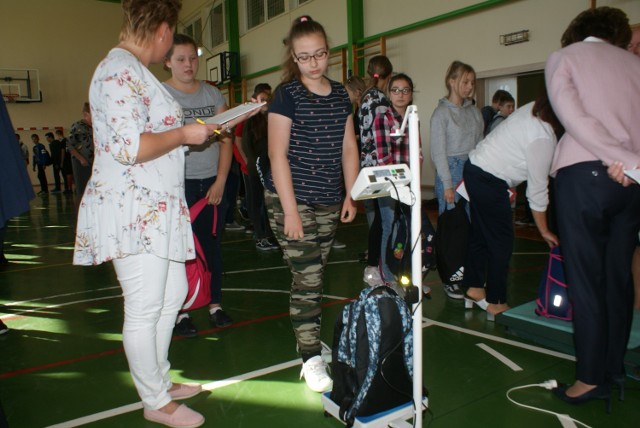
x=315 y=374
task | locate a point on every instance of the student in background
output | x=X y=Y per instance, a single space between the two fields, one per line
x=252 y=145
x=40 y=163
x=392 y=150
x=305 y=185
x=456 y=128
x=67 y=169
x=506 y=105
x=207 y=168
x=55 y=148
x=356 y=88
x=488 y=112
x=373 y=102
x=81 y=149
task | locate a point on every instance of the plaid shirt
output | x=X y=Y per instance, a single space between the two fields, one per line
x=390 y=150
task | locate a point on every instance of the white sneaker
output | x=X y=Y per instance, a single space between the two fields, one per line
x=372 y=276
x=315 y=374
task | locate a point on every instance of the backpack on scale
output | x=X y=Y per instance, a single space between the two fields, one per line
x=372 y=361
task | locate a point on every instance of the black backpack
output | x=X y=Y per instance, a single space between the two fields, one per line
x=372 y=357
x=399 y=246
x=451 y=243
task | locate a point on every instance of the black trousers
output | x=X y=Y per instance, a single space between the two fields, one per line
x=42 y=178
x=490 y=242
x=598 y=222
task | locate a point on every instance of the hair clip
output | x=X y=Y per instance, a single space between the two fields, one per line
x=303 y=19
x=376 y=75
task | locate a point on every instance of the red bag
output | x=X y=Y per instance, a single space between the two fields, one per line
x=198 y=274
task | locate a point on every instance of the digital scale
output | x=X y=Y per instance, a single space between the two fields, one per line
x=401 y=184
x=380 y=181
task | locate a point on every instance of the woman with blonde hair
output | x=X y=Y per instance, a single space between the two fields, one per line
x=134 y=212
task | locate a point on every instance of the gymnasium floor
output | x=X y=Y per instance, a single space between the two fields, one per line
x=63 y=364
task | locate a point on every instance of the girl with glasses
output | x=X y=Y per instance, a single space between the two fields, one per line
x=314 y=159
x=391 y=150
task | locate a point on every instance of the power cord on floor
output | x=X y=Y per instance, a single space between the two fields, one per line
x=547 y=384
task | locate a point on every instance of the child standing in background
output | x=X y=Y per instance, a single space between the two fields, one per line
x=313 y=160
x=456 y=128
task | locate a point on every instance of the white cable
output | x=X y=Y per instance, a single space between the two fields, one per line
x=549 y=384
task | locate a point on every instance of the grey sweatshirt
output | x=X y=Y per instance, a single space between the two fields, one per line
x=455 y=131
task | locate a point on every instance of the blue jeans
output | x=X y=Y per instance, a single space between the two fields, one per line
x=387 y=212
x=456 y=165
x=203 y=226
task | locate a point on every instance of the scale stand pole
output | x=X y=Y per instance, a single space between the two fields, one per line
x=416 y=260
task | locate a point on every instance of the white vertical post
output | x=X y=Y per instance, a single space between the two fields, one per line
x=416 y=259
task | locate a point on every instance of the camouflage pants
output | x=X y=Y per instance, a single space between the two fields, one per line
x=306 y=259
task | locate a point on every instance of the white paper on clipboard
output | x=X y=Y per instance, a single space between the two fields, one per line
x=232 y=113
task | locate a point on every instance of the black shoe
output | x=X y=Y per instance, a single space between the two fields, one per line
x=3 y=260
x=600 y=392
x=185 y=328
x=220 y=319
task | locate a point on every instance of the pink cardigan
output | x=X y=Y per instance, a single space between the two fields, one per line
x=594 y=88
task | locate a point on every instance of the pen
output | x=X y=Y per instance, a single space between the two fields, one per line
x=202 y=122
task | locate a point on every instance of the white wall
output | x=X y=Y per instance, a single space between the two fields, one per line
x=65 y=39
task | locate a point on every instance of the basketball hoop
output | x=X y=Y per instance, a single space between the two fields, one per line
x=10 y=98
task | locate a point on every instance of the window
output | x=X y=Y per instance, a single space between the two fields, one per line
x=194 y=30
x=260 y=11
x=218 y=28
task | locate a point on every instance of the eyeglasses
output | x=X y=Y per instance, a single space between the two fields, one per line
x=304 y=58
x=398 y=91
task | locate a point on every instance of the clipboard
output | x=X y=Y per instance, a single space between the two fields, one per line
x=232 y=113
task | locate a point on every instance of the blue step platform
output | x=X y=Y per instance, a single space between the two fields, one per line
x=556 y=334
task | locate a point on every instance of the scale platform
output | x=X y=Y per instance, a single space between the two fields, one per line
x=395 y=418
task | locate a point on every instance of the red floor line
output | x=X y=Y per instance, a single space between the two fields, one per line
x=27 y=370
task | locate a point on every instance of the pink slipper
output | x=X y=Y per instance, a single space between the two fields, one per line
x=185 y=390
x=183 y=417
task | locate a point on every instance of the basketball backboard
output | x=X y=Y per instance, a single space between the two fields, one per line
x=21 y=85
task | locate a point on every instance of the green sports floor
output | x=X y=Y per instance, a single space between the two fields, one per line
x=63 y=364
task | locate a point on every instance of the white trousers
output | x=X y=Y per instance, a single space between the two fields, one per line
x=154 y=289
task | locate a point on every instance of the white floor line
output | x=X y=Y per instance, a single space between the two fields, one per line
x=504 y=360
x=99 y=416
x=207 y=386
x=500 y=340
